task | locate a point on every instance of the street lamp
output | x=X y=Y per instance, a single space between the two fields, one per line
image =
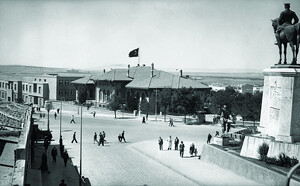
x=48 y=107
x=80 y=180
x=60 y=115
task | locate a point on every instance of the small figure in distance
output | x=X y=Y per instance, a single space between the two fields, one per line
x=160 y=143
x=181 y=149
x=208 y=138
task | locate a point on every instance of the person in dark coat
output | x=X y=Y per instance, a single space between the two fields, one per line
x=46 y=143
x=101 y=139
x=209 y=138
x=160 y=143
x=176 y=142
x=95 y=137
x=144 y=119
x=74 y=138
x=55 y=115
x=181 y=149
x=62 y=183
x=44 y=164
x=65 y=157
x=54 y=153
x=123 y=136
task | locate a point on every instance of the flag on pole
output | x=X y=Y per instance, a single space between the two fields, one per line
x=134 y=53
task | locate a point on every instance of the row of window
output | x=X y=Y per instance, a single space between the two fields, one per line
x=45 y=80
x=66 y=82
x=29 y=88
x=66 y=92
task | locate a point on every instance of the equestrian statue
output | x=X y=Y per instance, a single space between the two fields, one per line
x=287 y=32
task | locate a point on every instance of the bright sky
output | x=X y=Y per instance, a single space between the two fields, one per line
x=192 y=35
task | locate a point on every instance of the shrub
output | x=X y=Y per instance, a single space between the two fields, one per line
x=294 y=161
x=271 y=160
x=284 y=160
x=263 y=151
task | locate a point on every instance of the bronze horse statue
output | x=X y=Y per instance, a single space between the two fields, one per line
x=289 y=34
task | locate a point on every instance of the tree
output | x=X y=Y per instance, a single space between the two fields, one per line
x=115 y=104
x=222 y=97
x=164 y=98
x=186 y=101
x=132 y=103
x=82 y=97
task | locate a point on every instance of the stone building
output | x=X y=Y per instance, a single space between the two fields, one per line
x=142 y=83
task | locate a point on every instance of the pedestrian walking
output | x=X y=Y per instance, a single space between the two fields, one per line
x=55 y=115
x=72 y=119
x=61 y=149
x=46 y=143
x=144 y=119
x=101 y=139
x=170 y=143
x=104 y=135
x=94 y=114
x=74 y=138
x=181 y=149
x=176 y=142
x=160 y=143
x=44 y=164
x=123 y=136
x=208 y=138
x=57 y=111
x=217 y=133
x=54 y=153
x=65 y=157
x=192 y=149
x=120 y=137
x=60 y=140
x=95 y=137
x=171 y=122
x=62 y=183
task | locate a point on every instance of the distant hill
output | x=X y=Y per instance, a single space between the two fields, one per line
x=227 y=78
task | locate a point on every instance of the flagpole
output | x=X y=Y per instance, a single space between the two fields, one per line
x=139 y=56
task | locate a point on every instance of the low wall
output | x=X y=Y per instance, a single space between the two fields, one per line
x=242 y=167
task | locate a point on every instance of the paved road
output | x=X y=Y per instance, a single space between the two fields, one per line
x=117 y=163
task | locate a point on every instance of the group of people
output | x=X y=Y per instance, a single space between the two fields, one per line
x=193 y=150
x=101 y=138
x=63 y=152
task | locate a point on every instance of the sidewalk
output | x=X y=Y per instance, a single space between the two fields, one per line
x=194 y=169
x=57 y=170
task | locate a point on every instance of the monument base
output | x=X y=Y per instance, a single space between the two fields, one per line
x=289 y=149
x=251 y=145
x=288 y=139
x=222 y=141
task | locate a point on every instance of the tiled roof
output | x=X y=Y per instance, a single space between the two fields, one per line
x=86 y=80
x=113 y=75
x=162 y=79
x=140 y=78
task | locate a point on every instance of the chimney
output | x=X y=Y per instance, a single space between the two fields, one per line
x=128 y=70
x=104 y=71
x=152 y=69
x=180 y=73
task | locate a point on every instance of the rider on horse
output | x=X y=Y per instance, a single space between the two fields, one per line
x=285 y=19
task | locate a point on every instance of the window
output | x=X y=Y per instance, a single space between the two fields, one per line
x=60 y=92
x=60 y=82
x=34 y=79
x=29 y=88
x=26 y=87
x=66 y=92
x=23 y=87
x=15 y=87
x=34 y=88
x=40 y=80
x=39 y=90
x=67 y=82
x=45 y=80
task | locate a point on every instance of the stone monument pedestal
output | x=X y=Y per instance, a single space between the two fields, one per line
x=280 y=112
